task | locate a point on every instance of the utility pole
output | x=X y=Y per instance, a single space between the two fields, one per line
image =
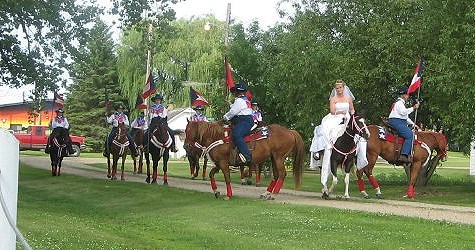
x=226 y=26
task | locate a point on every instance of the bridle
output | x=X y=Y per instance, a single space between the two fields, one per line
x=361 y=130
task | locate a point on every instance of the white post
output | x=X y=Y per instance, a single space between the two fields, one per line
x=472 y=158
x=9 y=188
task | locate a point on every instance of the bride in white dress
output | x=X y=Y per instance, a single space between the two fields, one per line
x=332 y=126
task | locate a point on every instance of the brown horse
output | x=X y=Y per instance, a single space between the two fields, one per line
x=159 y=147
x=57 y=150
x=119 y=149
x=423 y=147
x=138 y=139
x=280 y=143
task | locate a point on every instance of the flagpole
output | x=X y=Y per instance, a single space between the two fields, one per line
x=149 y=59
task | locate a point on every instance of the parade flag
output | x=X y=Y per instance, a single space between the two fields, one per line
x=229 y=74
x=197 y=99
x=150 y=87
x=249 y=95
x=417 y=78
x=58 y=100
x=139 y=103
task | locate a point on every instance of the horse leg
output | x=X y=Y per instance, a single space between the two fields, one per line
x=108 y=167
x=58 y=167
x=191 y=162
x=249 y=174
x=147 y=162
x=243 y=175
x=272 y=183
x=334 y=183
x=212 y=180
x=205 y=163
x=412 y=182
x=368 y=169
x=227 y=180
x=347 y=184
x=155 y=159
x=258 y=174
x=122 y=174
x=374 y=183
x=166 y=156
x=115 y=161
x=325 y=172
x=135 y=164
x=140 y=168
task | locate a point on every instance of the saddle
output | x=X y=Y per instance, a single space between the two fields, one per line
x=390 y=134
x=256 y=134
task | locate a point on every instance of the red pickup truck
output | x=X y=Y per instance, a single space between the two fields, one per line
x=36 y=138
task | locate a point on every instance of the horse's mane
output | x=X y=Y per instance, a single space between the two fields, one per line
x=212 y=130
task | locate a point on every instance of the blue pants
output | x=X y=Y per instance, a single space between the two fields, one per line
x=401 y=126
x=242 y=126
x=113 y=133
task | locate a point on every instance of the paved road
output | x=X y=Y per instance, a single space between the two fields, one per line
x=458 y=214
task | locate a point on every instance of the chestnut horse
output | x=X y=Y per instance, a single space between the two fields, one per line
x=57 y=150
x=158 y=146
x=138 y=161
x=280 y=143
x=119 y=149
x=422 y=151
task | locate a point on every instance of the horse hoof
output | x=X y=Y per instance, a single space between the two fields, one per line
x=243 y=183
x=147 y=180
x=346 y=198
x=263 y=196
x=165 y=183
x=226 y=198
x=366 y=197
x=217 y=194
x=325 y=196
x=258 y=184
x=379 y=196
x=109 y=176
x=122 y=178
x=154 y=181
x=249 y=182
x=270 y=198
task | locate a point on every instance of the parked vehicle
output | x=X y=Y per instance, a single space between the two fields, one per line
x=36 y=138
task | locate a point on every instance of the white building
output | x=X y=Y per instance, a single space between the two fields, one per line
x=177 y=120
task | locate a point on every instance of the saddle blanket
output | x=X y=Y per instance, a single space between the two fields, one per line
x=255 y=135
x=387 y=136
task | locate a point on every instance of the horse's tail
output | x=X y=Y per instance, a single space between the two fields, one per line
x=298 y=158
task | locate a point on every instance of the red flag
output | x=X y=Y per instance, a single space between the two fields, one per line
x=417 y=78
x=139 y=103
x=197 y=99
x=229 y=74
x=58 y=100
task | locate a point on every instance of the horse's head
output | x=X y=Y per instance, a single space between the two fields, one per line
x=60 y=134
x=191 y=135
x=161 y=131
x=442 y=147
x=357 y=125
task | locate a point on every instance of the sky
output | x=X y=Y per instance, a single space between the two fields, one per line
x=245 y=11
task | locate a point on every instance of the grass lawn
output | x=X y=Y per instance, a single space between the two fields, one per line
x=71 y=212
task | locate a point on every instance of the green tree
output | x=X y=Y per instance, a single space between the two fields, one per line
x=95 y=82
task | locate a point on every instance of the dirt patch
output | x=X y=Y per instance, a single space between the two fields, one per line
x=458 y=214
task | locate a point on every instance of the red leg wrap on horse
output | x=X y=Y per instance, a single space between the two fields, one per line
x=192 y=169
x=213 y=184
x=154 y=175
x=271 y=186
x=361 y=184
x=165 y=176
x=229 y=190
x=258 y=178
x=278 y=186
x=410 y=191
x=373 y=181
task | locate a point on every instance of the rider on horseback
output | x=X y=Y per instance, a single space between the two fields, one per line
x=198 y=116
x=60 y=122
x=240 y=114
x=115 y=119
x=399 y=119
x=158 y=111
x=138 y=124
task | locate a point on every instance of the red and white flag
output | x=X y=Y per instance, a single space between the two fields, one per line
x=417 y=78
x=58 y=100
x=197 y=99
